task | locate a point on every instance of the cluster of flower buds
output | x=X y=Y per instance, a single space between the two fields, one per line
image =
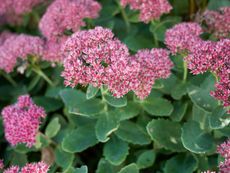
x=149 y=9
x=202 y=56
x=39 y=167
x=13 y=47
x=218 y=22
x=64 y=16
x=11 y=11
x=21 y=121
x=95 y=57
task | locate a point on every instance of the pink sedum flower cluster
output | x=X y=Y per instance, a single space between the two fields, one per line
x=95 y=57
x=218 y=22
x=149 y=9
x=64 y=15
x=182 y=37
x=12 y=10
x=21 y=121
x=213 y=56
x=154 y=64
x=39 y=167
x=224 y=151
x=13 y=47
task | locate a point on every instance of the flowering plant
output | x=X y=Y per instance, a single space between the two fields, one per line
x=114 y=86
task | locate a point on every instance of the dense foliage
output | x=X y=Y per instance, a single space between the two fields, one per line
x=114 y=86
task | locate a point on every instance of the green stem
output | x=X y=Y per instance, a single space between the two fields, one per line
x=103 y=98
x=43 y=75
x=216 y=79
x=124 y=15
x=192 y=8
x=9 y=79
x=185 y=71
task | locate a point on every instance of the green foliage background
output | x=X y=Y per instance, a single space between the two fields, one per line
x=175 y=130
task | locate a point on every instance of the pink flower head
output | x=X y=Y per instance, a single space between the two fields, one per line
x=39 y=167
x=18 y=46
x=12 y=10
x=21 y=121
x=1 y=164
x=182 y=37
x=64 y=15
x=218 y=22
x=202 y=56
x=13 y=169
x=208 y=172
x=154 y=64
x=96 y=57
x=149 y=9
x=224 y=151
x=52 y=49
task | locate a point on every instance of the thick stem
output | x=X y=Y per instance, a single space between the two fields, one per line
x=43 y=75
x=192 y=8
x=103 y=98
x=185 y=71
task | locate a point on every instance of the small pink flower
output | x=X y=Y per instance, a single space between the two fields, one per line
x=182 y=37
x=149 y=9
x=12 y=169
x=154 y=64
x=64 y=15
x=21 y=121
x=224 y=151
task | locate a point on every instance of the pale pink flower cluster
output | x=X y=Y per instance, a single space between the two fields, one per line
x=154 y=64
x=64 y=15
x=182 y=37
x=61 y=16
x=218 y=22
x=149 y=9
x=95 y=57
x=21 y=121
x=39 y=167
x=12 y=10
x=1 y=164
x=14 y=46
x=215 y=57
x=224 y=151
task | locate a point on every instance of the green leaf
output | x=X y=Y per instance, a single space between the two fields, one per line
x=53 y=128
x=195 y=139
x=200 y=116
x=82 y=169
x=133 y=133
x=91 y=92
x=106 y=124
x=62 y=158
x=157 y=106
x=105 y=167
x=219 y=118
x=166 y=133
x=77 y=103
x=131 y=168
x=178 y=111
x=179 y=90
x=131 y=110
x=116 y=150
x=115 y=102
x=200 y=95
x=80 y=139
x=49 y=104
x=138 y=42
x=183 y=163
x=215 y=5
x=146 y=159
